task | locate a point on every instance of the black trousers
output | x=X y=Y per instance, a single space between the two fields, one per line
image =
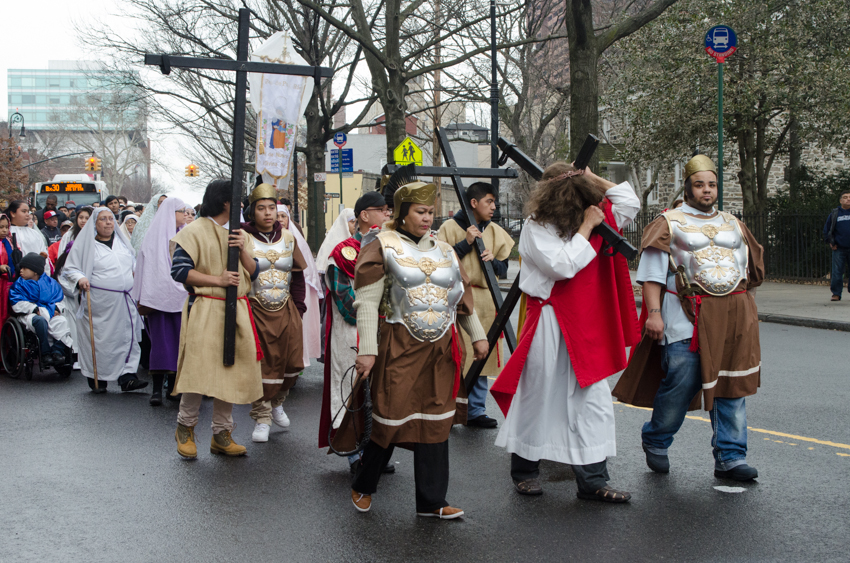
x=589 y=478
x=430 y=470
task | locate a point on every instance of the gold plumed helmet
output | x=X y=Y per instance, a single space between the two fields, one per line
x=699 y=163
x=404 y=187
x=262 y=191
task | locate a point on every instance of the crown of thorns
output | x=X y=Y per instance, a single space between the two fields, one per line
x=569 y=174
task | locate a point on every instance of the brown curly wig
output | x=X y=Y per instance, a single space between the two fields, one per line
x=562 y=202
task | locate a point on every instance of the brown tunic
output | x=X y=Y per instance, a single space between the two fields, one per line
x=412 y=383
x=281 y=338
x=730 y=352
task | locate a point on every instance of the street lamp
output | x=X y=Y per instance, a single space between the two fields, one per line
x=17 y=118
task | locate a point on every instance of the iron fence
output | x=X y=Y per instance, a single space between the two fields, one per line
x=793 y=242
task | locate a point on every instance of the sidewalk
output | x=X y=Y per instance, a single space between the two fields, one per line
x=785 y=303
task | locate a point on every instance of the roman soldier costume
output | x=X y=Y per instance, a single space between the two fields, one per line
x=277 y=302
x=706 y=262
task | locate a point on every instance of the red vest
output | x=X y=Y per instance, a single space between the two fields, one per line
x=597 y=315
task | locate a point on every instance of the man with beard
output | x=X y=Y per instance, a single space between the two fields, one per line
x=701 y=334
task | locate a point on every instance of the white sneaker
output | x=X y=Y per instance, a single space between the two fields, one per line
x=261 y=432
x=280 y=417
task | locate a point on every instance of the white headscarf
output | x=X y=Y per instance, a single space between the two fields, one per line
x=338 y=233
x=152 y=285
x=145 y=221
x=311 y=274
x=134 y=218
x=81 y=256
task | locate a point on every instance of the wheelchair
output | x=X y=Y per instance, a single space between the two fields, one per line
x=20 y=348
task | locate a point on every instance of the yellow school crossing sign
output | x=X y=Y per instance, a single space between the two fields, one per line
x=408 y=153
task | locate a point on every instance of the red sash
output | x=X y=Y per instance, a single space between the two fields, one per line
x=346 y=264
x=598 y=318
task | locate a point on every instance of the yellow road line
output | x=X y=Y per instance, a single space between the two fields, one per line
x=763 y=431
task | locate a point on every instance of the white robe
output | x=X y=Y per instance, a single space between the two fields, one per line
x=70 y=301
x=551 y=416
x=342 y=357
x=114 y=333
x=31 y=240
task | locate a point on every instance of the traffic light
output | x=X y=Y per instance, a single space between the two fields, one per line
x=191 y=171
x=97 y=167
x=90 y=164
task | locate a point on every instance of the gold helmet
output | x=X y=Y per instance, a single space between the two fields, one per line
x=404 y=187
x=699 y=163
x=262 y=191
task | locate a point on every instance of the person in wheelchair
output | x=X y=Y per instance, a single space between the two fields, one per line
x=38 y=298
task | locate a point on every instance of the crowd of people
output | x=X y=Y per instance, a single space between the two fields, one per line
x=381 y=304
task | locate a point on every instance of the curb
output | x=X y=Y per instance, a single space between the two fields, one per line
x=807 y=322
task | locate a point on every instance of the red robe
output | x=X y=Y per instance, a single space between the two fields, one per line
x=597 y=315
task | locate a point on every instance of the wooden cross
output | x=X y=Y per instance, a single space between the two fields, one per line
x=242 y=66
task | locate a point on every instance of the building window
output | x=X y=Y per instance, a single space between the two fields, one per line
x=28 y=99
x=54 y=101
x=15 y=81
x=54 y=83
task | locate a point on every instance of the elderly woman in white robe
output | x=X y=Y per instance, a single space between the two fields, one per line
x=102 y=261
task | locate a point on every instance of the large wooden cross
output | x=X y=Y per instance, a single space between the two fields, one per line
x=242 y=66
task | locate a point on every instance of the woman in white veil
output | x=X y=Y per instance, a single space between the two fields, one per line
x=312 y=319
x=342 y=229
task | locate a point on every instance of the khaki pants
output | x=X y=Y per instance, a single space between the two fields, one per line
x=261 y=411
x=190 y=406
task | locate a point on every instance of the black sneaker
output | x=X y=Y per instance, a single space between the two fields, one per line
x=482 y=421
x=739 y=473
x=47 y=361
x=133 y=385
x=58 y=359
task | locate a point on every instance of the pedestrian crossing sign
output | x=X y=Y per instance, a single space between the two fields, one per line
x=407 y=153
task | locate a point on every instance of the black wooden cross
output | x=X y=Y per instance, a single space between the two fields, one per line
x=242 y=66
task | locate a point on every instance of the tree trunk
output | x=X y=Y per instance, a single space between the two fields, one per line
x=795 y=165
x=746 y=154
x=584 y=87
x=315 y=163
x=394 y=112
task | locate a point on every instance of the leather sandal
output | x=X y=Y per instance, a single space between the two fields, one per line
x=606 y=494
x=529 y=487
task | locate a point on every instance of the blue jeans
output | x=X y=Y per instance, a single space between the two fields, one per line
x=840 y=261
x=477 y=398
x=39 y=324
x=681 y=384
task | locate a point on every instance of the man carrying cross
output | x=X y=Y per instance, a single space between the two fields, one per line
x=461 y=231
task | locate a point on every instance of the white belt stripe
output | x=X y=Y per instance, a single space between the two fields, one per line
x=414 y=416
x=272 y=381
x=724 y=373
x=462 y=401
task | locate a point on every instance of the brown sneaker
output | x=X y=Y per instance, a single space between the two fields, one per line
x=185 y=436
x=445 y=513
x=361 y=502
x=222 y=443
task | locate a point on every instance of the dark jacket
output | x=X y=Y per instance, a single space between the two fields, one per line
x=837 y=228
x=51 y=234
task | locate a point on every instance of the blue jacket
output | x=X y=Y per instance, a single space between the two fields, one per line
x=837 y=228
x=46 y=292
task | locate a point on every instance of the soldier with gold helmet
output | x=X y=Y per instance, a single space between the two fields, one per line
x=700 y=343
x=277 y=303
x=413 y=358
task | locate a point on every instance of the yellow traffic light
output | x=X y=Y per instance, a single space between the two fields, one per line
x=97 y=167
x=191 y=171
x=92 y=164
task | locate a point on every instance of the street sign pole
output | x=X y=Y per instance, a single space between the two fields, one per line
x=720 y=135
x=721 y=41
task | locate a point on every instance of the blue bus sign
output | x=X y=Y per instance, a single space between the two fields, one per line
x=721 y=42
x=340 y=139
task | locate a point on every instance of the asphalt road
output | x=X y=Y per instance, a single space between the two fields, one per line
x=98 y=478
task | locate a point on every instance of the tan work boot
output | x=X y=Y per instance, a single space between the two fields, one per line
x=222 y=443
x=185 y=436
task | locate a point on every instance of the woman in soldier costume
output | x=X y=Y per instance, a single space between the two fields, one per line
x=414 y=357
x=277 y=301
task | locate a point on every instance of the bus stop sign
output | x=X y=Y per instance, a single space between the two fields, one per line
x=721 y=42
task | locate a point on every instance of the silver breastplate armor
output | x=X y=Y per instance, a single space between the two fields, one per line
x=423 y=287
x=271 y=288
x=710 y=253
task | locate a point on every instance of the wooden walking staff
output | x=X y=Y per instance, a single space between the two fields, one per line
x=242 y=66
x=91 y=335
